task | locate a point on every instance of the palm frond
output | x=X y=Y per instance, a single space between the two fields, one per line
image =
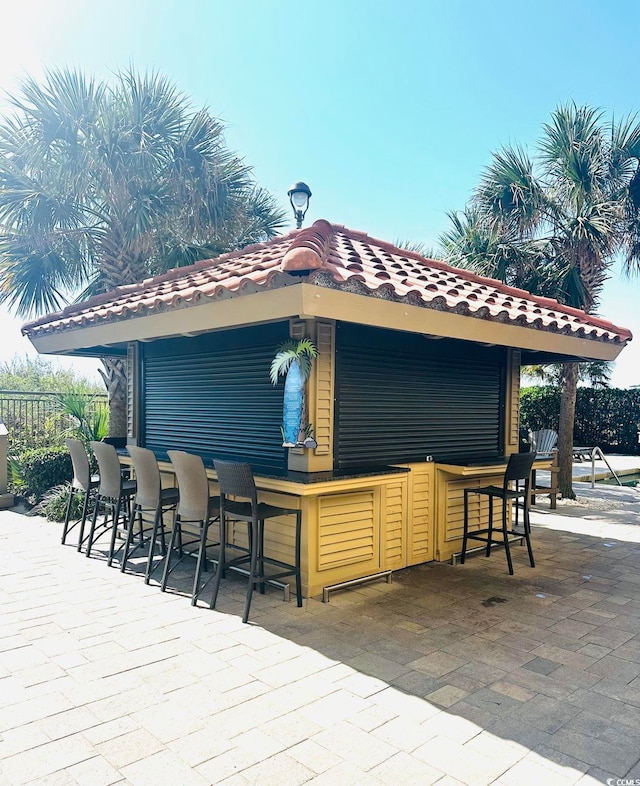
x=509 y=191
x=299 y=351
x=104 y=183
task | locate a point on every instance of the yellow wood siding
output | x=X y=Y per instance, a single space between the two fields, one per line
x=513 y=402
x=348 y=529
x=478 y=507
x=132 y=394
x=450 y=509
x=394 y=517
x=420 y=515
x=324 y=388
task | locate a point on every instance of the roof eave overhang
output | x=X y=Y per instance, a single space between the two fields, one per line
x=365 y=310
x=309 y=301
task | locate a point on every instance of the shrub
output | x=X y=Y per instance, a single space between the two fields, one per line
x=44 y=468
x=53 y=504
x=607 y=417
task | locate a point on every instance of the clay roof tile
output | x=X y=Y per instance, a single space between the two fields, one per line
x=330 y=254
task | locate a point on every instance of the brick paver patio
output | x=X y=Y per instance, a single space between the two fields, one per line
x=448 y=675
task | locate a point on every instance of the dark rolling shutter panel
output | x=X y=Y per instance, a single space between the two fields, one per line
x=212 y=396
x=402 y=397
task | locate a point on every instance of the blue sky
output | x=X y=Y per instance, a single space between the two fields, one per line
x=388 y=110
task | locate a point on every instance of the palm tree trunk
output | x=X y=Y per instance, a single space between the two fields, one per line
x=115 y=380
x=565 y=429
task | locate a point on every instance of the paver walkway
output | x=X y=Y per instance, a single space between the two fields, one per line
x=450 y=674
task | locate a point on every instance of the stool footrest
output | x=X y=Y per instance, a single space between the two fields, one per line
x=481 y=549
x=277 y=564
x=478 y=535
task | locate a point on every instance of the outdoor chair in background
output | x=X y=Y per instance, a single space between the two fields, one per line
x=543 y=444
x=114 y=495
x=150 y=504
x=83 y=483
x=518 y=472
x=196 y=506
x=236 y=480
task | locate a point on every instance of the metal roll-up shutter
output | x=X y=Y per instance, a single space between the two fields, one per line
x=401 y=398
x=211 y=395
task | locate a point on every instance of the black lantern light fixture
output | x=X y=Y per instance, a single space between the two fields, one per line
x=299 y=195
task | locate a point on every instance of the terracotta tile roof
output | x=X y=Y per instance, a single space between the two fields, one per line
x=331 y=255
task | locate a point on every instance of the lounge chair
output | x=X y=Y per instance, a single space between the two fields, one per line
x=543 y=444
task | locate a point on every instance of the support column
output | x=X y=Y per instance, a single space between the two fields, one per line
x=319 y=396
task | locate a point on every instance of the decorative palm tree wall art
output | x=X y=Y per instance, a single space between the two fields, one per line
x=293 y=361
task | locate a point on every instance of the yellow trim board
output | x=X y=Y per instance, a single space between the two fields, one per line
x=364 y=310
x=309 y=301
x=272 y=305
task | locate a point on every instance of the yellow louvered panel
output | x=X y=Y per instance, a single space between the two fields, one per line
x=279 y=531
x=393 y=515
x=323 y=426
x=348 y=529
x=297 y=329
x=514 y=415
x=132 y=396
x=421 y=518
x=279 y=538
x=478 y=506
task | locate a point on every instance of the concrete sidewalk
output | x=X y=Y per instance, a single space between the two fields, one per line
x=448 y=675
x=582 y=470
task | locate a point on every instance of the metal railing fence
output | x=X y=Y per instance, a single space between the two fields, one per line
x=35 y=419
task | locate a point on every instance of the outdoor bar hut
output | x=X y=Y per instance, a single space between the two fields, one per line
x=414 y=394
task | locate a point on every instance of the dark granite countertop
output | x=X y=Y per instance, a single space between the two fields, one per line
x=304 y=478
x=462 y=461
x=328 y=475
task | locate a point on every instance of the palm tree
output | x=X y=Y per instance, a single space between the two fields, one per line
x=572 y=209
x=293 y=361
x=597 y=373
x=103 y=184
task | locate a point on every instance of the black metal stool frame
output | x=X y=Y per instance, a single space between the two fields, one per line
x=518 y=471
x=236 y=480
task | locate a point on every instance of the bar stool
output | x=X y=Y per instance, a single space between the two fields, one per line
x=83 y=482
x=113 y=491
x=195 y=506
x=518 y=472
x=151 y=503
x=236 y=480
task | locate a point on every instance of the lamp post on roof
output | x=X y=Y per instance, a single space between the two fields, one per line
x=299 y=195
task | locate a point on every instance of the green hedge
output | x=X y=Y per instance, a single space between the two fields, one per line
x=609 y=418
x=44 y=468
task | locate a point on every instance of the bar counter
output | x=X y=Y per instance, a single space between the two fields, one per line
x=363 y=521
